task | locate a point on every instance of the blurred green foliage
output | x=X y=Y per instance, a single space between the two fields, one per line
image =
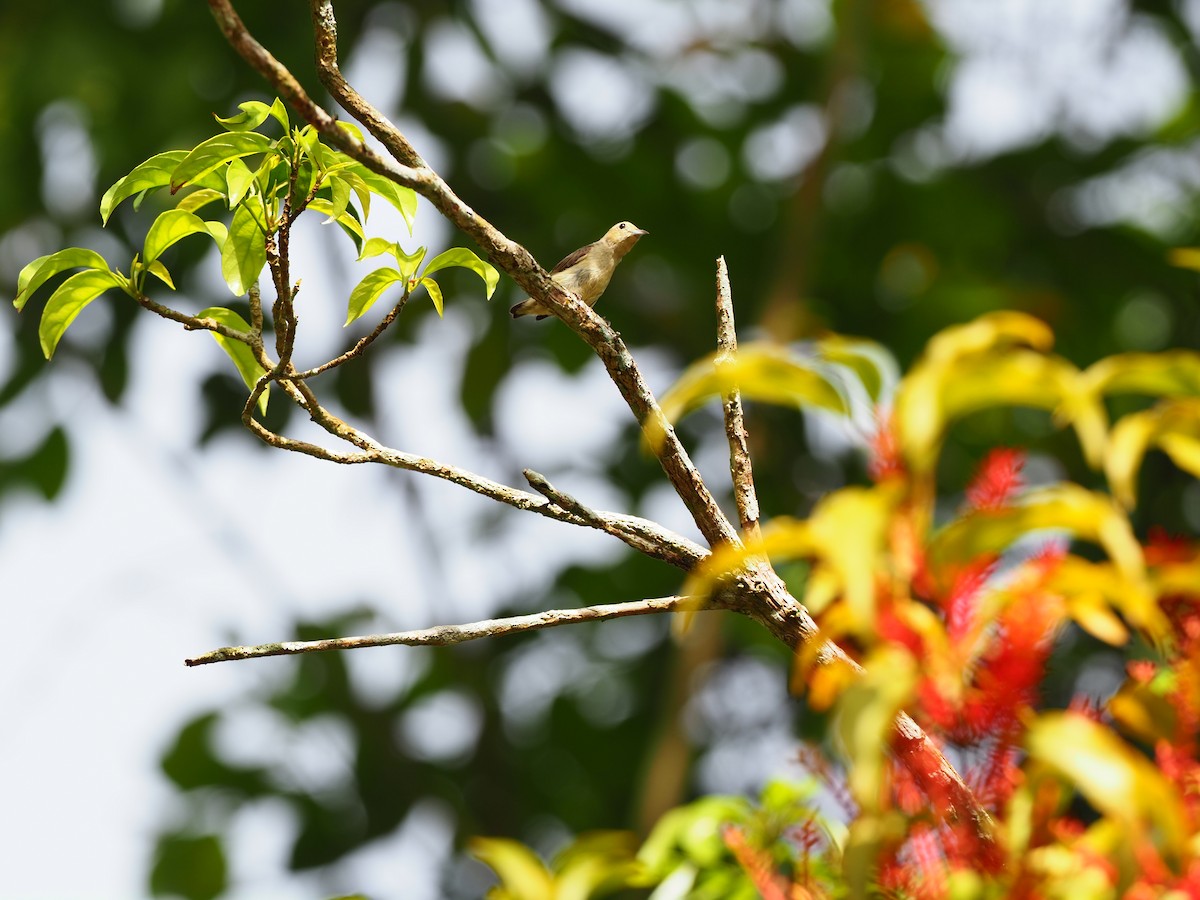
x=865 y=238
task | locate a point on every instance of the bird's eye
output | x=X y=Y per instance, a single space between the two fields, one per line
x=622 y=226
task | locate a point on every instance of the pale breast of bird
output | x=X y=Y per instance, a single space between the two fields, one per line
x=588 y=282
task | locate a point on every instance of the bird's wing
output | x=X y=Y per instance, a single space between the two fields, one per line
x=571 y=259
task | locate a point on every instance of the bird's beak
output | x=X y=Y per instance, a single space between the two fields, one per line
x=641 y=232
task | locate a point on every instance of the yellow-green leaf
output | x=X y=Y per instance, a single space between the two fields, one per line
x=763 y=372
x=215 y=152
x=159 y=271
x=435 y=293
x=241 y=354
x=1085 y=514
x=1185 y=257
x=933 y=395
x=42 y=269
x=1172 y=373
x=153 y=173
x=254 y=113
x=345 y=218
x=464 y=258
x=522 y=875
x=367 y=291
x=174 y=225
x=991 y=331
x=871 y=362
x=244 y=252
x=68 y=301
x=407 y=263
x=402 y=198
x=1117 y=780
x=239 y=178
x=1173 y=426
x=200 y=198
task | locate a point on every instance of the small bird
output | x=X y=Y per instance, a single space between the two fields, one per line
x=586 y=272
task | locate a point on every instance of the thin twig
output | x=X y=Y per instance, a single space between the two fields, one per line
x=641 y=534
x=445 y=635
x=194 y=323
x=357 y=350
x=740 y=466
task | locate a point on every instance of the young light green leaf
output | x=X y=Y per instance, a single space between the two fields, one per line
x=308 y=141
x=406 y=262
x=461 y=256
x=68 y=301
x=339 y=199
x=153 y=173
x=174 y=225
x=253 y=113
x=159 y=271
x=346 y=219
x=367 y=291
x=435 y=293
x=215 y=152
x=404 y=199
x=241 y=354
x=279 y=111
x=361 y=191
x=351 y=129
x=199 y=199
x=38 y=272
x=244 y=252
x=239 y=178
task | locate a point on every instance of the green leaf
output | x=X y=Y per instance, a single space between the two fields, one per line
x=351 y=129
x=38 y=272
x=244 y=252
x=215 y=152
x=339 y=191
x=159 y=271
x=404 y=199
x=361 y=191
x=153 y=173
x=241 y=354
x=367 y=291
x=200 y=198
x=435 y=293
x=174 y=225
x=346 y=219
x=461 y=256
x=239 y=178
x=406 y=262
x=68 y=302
x=254 y=113
x=308 y=140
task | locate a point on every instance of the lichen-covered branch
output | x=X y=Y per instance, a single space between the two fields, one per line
x=445 y=635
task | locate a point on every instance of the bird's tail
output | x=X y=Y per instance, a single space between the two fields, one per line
x=528 y=307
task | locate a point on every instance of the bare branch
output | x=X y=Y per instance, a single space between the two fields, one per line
x=445 y=635
x=740 y=466
x=642 y=535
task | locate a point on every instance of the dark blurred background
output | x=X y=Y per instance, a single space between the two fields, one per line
x=881 y=169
